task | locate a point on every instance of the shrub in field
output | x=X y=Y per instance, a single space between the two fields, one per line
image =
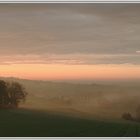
x=127 y=116
x=11 y=94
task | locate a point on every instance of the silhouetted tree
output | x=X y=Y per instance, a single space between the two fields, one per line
x=11 y=94
x=17 y=93
x=3 y=93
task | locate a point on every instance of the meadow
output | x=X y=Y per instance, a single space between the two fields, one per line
x=31 y=123
x=60 y=109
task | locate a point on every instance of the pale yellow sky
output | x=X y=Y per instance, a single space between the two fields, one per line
x=71 y=72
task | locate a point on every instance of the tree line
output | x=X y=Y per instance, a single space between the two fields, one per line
x=11 y=94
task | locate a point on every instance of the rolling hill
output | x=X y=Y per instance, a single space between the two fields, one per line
x=90 y=100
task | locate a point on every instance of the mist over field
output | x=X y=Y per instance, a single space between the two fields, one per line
x=83 y=62
x=101 y=100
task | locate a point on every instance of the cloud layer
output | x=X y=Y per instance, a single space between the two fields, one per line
x=70 y=33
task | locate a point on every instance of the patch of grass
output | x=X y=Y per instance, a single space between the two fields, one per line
x=31 y=123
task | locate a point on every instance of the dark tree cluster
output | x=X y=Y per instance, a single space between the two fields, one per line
x=11 y=94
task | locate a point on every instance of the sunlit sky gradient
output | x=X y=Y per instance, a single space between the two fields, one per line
x=70 y=41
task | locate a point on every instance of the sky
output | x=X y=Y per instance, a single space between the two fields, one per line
x=70 y=41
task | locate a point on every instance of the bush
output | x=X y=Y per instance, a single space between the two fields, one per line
x=127 y=116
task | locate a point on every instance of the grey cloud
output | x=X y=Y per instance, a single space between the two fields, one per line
x=73 y=59
x=69 y=29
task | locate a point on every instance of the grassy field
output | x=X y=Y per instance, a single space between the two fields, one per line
x=31 y=123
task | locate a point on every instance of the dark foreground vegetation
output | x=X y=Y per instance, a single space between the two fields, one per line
x=30 y=123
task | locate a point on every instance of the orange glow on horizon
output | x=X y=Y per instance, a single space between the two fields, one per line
x=70 y=72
